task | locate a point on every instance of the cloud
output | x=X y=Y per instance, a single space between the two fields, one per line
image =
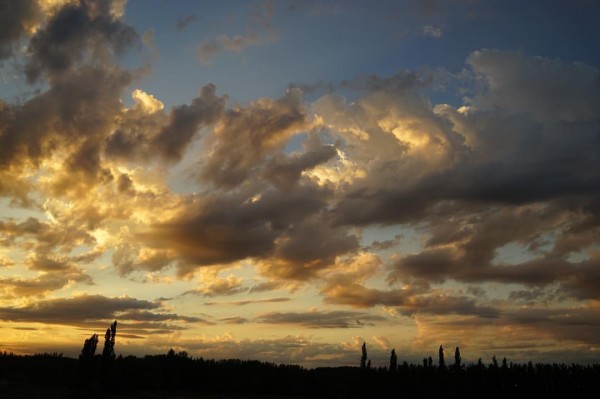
x=549 y=90
x=213 y=285
x=244 y=218
x=16 y=21
x=74 y=310
x=94 y=311
x=72 y=34
x=144 y=131
x=14 y=287
x=245 y=136
x=432 y=31
x=183 y=22
x=260 y=32
x=288 y=185
x=289 y=349
x=285 y=171
x=249 y=301
x=333 y=319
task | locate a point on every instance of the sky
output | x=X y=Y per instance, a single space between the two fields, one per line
x=285 y=180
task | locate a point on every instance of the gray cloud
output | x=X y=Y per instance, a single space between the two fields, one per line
x=333 y=319
x=43 y=284
x=285 y=171
x=15 y=18
x=135 y=316
x=247 y=135
x=75 y=310
x=140 y=135
x=249 y=301
x=409 y=302
x=261 y=32
x=186 y=120
x=73 y=34
x=183 y=22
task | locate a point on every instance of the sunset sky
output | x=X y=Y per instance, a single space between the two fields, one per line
x=285 y=180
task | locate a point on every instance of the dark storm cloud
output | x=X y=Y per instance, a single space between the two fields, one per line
x=333 y=319
x=75 y=33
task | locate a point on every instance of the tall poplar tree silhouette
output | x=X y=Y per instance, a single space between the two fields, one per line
x=363 y=358
x=441 y=361
x=108 y=356
x=86 y=360
x=109 y=342
x=457 y=358
x=393 y=361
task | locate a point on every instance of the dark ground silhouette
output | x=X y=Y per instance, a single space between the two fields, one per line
x=179 y=375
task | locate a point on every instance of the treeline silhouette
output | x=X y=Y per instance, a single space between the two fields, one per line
x=100 y=375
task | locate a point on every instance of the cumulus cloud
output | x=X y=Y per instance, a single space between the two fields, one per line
x=289 y=186
x=213 y=285
x=73 y=34
x=144 y=131
x=245 y=136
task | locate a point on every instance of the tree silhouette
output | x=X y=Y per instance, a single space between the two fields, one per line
x=363 y=358
x=109 y=342
x=441 y=362
x=457 y=358
x=89 y=347
x=393 y=361
x=108 y=356
x=86 y=360
x=494 y=362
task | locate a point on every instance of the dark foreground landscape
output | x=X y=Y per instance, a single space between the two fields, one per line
x=177 y=375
